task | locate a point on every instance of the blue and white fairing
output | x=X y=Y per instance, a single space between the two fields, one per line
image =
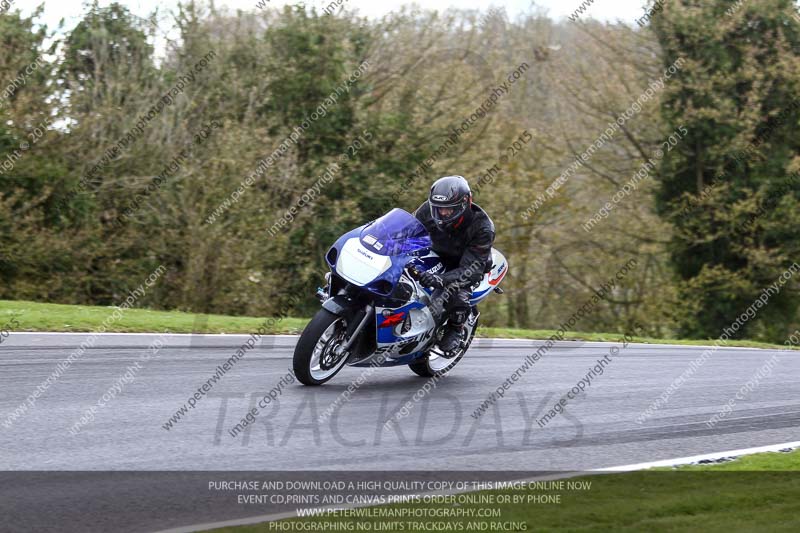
x=374 y=257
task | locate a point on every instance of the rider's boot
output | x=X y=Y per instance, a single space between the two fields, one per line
x=453 y=334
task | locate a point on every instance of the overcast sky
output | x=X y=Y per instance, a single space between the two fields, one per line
x=611 y=10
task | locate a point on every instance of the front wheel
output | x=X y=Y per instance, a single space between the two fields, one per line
x=434 y=365
x=316 y=356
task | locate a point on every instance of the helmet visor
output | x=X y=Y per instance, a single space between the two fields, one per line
x=447 y=213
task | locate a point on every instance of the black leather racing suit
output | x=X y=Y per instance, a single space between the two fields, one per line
x=466 y=252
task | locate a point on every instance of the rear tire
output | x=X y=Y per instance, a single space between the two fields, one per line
x=314 y=362
x=434 y=365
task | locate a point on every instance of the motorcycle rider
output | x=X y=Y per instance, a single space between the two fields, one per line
x=462 y=234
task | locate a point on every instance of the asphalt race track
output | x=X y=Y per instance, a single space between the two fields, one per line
x=598 y=429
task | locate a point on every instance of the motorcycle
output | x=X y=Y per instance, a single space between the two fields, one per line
x=374 y=310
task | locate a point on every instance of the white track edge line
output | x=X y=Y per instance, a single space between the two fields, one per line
x=697 y=458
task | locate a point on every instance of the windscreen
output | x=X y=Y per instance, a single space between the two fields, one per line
x=396 y=233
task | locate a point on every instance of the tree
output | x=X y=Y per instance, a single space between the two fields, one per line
x=738 y=95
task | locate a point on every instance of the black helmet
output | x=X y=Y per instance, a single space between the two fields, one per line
x=450 y=192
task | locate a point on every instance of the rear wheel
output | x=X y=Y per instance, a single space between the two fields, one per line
x=434 y=364
x=316 y=357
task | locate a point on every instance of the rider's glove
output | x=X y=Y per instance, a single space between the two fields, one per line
x=431 y=280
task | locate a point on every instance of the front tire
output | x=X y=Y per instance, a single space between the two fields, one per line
x=315 y=360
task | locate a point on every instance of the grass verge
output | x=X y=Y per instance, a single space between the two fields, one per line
x=755 y=493
x=511 y=333
x=761 y=462
x=33 y=316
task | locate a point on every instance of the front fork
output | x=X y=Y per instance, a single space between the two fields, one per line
x=355 y=323
x=356 y=326
x=323 y=293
